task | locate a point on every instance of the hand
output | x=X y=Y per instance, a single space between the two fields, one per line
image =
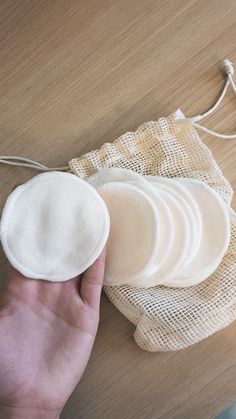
x=47 y=331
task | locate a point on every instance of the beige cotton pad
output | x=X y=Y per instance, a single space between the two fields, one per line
x=165 y=229
x=134 y=235
x=114 y=174
x=215 y=236
x=180 y=244
x=191 y=209
x=54 y=226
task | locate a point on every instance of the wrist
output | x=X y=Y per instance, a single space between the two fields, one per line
x=27 y=413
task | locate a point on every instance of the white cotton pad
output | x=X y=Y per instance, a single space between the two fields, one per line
x=180 y=243
x=215 y=236
x=191 y=209
x=133 y=239
x=165 y=228
x=54 y=226
x=114 y=174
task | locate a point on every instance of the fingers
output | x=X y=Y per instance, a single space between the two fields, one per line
x=91 y=285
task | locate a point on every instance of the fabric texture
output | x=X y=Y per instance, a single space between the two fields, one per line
x=129 y=232
x=171 y=318
x=192 y=212
x=54 y=226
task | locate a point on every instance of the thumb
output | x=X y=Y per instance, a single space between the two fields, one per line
x=91 y=285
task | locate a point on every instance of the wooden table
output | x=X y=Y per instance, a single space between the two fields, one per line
x=75 y=74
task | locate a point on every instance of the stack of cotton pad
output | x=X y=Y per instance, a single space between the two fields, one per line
x=171 y=232
x=54 y=226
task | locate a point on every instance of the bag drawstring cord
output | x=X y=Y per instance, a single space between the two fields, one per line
x=229 y=69
x=24 y=162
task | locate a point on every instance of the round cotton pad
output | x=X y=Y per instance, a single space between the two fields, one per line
x=165 y=229
x=132 y=243
x=190 y=208
x=54 y=226
x=180 y=242
x=114 y=174
x=215 y=235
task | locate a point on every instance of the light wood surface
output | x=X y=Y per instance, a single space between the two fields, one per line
x=75 y=74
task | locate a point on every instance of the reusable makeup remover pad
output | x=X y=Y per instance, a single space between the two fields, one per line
x=54 y=226
x=215 y=235
x=166 y=232
x=179 y=244
x=191 y=209
x=114 y=174
x=166 y=220
x=133 y=239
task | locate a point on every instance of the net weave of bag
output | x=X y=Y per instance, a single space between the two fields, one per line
x=171 y=318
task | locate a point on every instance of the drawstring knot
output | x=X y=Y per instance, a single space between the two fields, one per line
x=228 y=66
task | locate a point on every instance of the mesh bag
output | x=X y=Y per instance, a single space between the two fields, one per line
x=171 y=318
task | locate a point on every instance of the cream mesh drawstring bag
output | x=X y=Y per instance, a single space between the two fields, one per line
x=170 y=318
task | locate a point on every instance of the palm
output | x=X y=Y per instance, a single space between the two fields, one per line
x=47 y=332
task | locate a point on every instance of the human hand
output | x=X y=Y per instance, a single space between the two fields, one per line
x=47 y=331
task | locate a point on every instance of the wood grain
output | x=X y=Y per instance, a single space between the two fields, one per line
x=75 y=74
